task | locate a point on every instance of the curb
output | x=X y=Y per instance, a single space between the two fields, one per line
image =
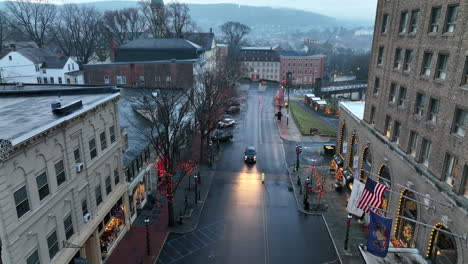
x=333 y=241
x=297 y=201
x=201 y=211
x=162 y=246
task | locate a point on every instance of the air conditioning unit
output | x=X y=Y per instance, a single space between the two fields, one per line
x=86 y=218
x=79 y=167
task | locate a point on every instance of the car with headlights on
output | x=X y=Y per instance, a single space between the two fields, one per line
x=250 y=155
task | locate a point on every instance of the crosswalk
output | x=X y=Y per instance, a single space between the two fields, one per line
x=180 y=247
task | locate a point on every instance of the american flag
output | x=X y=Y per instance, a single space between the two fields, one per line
x=372 y=195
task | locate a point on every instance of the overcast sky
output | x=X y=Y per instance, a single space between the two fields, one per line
x=344 y=9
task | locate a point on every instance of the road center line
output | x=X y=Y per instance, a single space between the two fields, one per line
x=265 y=226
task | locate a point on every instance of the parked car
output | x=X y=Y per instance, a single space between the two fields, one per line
x=233 y=110
x=226 y=122
x=222 y=135
x=250 y=154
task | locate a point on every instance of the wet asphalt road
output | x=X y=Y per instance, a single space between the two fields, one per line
x=245 y=221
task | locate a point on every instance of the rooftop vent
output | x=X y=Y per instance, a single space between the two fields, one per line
x=57 y=109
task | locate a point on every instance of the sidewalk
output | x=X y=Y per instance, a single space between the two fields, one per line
x=289 y=131
x=132 y=248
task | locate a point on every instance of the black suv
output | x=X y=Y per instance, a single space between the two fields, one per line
x=222 y=135
x=250 y=154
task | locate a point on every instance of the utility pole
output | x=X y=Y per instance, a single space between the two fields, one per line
x=288 y=86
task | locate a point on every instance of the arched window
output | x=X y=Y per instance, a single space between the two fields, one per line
x=366 y=164
x=442 y=247
x=352 y=149
x=384 y=173
x=404 y=229
x=343 y=135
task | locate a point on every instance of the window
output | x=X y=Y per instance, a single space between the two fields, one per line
x=108 y=185
x=426 y=68
x=413 y=141
x=37 y=67
x=414 y=21
x=380 y=56
x=116 y=177
x=52 y=244
x=98 y=194
x=73 y=66
x=464 y=191
x=464 y=80
x=102 y=138
x=433 y=110
x=452 y=14
x=384 y=23
x=52 y=80
x=402 y=96
x=396 y=132
x=441 y=71
x=392 y=94
x=419 y=106
x=33 y=258
x=450 y=169
x=42 y=185
x=44 y=79
x=142 y=80
x=60 y=172
x=60 y=79
x=408 y=60
x=77 y=155
x=397 y=62
x=68 y=81
x=84 y=206
x=376 y=86
x=112 y=134
x=121 y=79
x=372 y=115
x=168 y=80
x=10 y=58
x=388 y=126
x=403 y=22
x=92 y=148
x=68 y=225
x=460 y=122
x=21 y=201
x=106 y=79
x=68 y=67
x=39 y=80
x=435 y=19
x=426 y=148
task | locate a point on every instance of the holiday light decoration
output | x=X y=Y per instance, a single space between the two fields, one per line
x=340 y=151
x=432 y=238
x=361 y=164
x=352 y=141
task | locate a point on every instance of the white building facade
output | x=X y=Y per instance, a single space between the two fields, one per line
x=64 y=196
x=39 y=66
x=261 y=63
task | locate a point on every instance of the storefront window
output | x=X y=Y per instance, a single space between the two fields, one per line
x=366 y=164
x=343 y=137
x=385 y=179
x=114 y=223
x=139 y=195
x=405 y=228
x=442 y=248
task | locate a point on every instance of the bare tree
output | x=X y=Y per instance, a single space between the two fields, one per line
x=78 y=32
x=156 y=19
x=210 y=98
x=4 y=29
x=234 y=33
x=35 y=19
x=179 y=19
x=103 y=41
x=168 y=113
x=125 y=24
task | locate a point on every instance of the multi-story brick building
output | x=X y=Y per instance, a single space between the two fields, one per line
x=63 y=192
x=410 y=134
x=261 y=63
x=305 y=69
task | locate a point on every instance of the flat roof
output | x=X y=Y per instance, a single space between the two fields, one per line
x=107 y=63
x=354 y=108
x=26 y=111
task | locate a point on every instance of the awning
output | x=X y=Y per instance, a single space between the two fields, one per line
x=395 y=255
x=339 y=161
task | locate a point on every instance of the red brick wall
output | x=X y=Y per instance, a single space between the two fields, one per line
x=297 y=65
x=181 y=74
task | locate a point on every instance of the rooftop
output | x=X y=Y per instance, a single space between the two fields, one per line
x=46 y=56
x=26 y=111
x=356 y=109
x=205 y=40
x=107 y=63
x=161 y=44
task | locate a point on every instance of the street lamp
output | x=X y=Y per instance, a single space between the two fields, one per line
x=288 y=86
x=147 y=236
x=196 y=187
x=298 y=152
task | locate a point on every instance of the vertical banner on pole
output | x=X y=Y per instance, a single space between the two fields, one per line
x=358 y=188
x=379 y=235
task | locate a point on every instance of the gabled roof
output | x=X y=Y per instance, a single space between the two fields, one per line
x=49 y=59
x=160 y=44
x=205 y=40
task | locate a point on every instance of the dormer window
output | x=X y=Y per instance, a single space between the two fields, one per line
x=37 y=67
x=10 y=58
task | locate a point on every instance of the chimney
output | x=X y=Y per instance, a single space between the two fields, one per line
x=112 y=48
x=211 y=30
x=13 y=47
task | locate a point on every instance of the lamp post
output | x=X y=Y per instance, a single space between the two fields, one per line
x=196 y=187
x=298 y=152
x=348 y=225
x=147 y=236
x=288 y=86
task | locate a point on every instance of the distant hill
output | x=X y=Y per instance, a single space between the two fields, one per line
x=213 y=15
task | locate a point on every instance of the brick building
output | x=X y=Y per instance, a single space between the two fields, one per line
x=410 y=132
x=305 y=69
x=261 y=63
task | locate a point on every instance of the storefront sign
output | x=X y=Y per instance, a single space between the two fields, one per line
x=345 y=147
x=358 y=188
x=356 y=162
